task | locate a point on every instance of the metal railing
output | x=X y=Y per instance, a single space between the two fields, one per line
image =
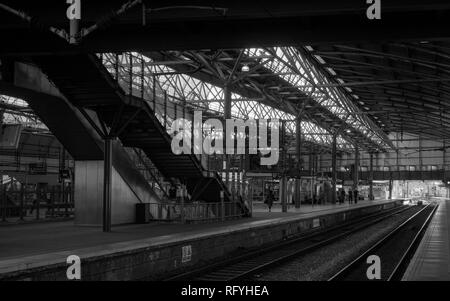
x=197 y=211
x=131 y=73
x=149 y=171
x=24 y=204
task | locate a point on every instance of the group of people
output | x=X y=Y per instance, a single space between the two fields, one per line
x=351 y=195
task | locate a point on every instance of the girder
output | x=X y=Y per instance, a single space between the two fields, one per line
x=183 y=87
x=403 y=86
x=278 y=90
x=240 y=24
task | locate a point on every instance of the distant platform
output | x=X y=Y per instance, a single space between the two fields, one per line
x=259 y=208
x=431 y=262
x=39 y=251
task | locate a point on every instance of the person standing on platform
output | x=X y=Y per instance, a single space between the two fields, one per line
x=269 y=200
x=356 y=195
x=342 y=196
x=350 y=196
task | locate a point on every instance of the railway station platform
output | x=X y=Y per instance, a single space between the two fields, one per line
x=431 y=261
x=131 y=252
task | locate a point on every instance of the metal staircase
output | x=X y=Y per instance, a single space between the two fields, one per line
x=88 y=85
x=149 y=171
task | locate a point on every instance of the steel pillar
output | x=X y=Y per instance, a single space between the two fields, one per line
x=107 y=184
x=74 y=31
x=165 y=110
x=222 y=206
x=298 y=193
x=311 y=172
x=298 y=152
x=356 y=173
x=334 y=168
x=298 y=145
x=227 y=115
x=62 y=167
x=390 y=189
x=371 y=178
x=182 y=211
x=283 y=197
x=444 y=162
x=154 y=94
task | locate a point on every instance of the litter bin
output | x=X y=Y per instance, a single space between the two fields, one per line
x=143 y=215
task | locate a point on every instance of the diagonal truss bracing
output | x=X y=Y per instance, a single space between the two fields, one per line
x=295 y=66
x=16 y=111
x=204 y=96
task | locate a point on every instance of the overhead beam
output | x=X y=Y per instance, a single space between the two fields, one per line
x=249 y=24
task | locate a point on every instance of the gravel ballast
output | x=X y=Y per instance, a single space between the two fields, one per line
x=321 y=264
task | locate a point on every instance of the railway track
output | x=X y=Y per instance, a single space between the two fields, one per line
x=243 y=266
x=394 y=250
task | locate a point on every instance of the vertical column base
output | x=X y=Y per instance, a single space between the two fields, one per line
x=390 y=189
x=297 y=194
x=283 y=194
x=107 y=181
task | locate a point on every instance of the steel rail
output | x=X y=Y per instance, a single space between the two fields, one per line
x=251 y=265
x=341 y=274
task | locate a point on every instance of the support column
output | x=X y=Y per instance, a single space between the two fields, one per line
x=62 y=195
x=154 y=94
x=397 y=156
x=241 y=176
x=356 y=173
x=182 y=205
x=283 y=197
x=233 y=184
x=316 y=163
x=184 y=117
x=298 y=152
x=420 y=157
x=407 y=190
x=371 y=178
x=74 y=31
x=222 y=206
x=298 y=145
x=107 y=184
x=227 y=115
x=311 y=172
x=250 y=195
x=390 y=189
x=334 y=169
x=165 y=110
x=283 y=181
x=444 y=161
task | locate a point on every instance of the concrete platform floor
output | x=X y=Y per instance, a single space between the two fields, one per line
x=25 y=240
x=260 y=207
x=431 y=261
